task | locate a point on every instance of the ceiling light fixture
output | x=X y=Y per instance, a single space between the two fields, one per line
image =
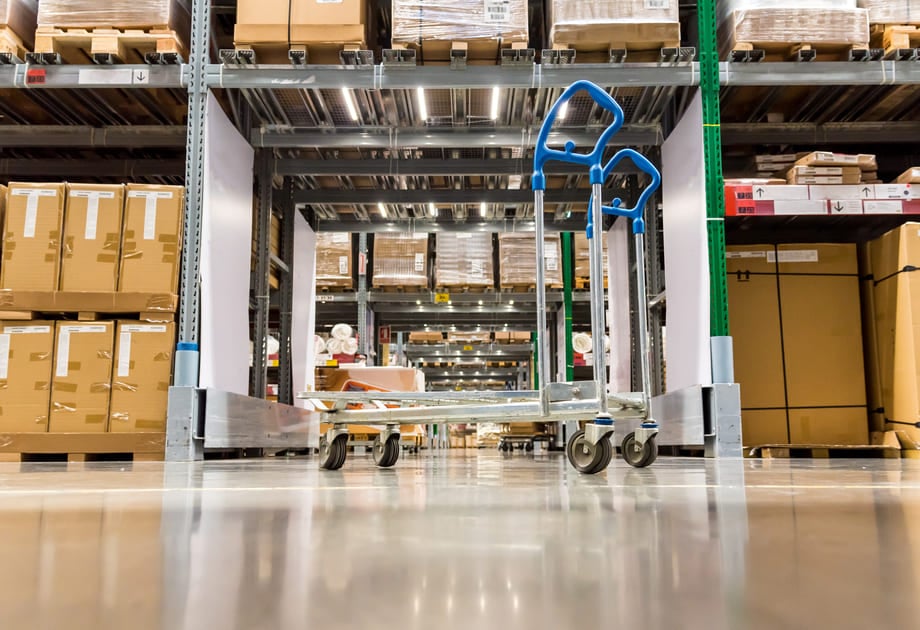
x=350 y=103
x=563 y=111
x=493 y=112
x=432 y=210
x=483 y=208
x=383 y=210
x=422 y=106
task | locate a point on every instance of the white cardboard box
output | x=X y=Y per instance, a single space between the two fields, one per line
x=774 y=193
x=836 y=192
x=894 y=191
x=799 y=207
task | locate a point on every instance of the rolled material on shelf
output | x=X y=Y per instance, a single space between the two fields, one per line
x=581 y=343
x=342 y=332
x=892 y=11
x=415 y=21
x=793 y=22
x=350 y=346
x=577 y=20
x=463 y=260
x=20 y=17
x=335 y=346
x=518 y=259
x=334 y=260
x=118 y=13
x=400 y=260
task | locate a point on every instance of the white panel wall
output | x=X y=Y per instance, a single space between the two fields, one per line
x=686 y=252
x=619 y=240
x=303 y=313
x=226 y=242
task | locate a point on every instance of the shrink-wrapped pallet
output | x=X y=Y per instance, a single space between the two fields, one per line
x=463 y=260
x=613 y=21
x=333 y=260
x=793 y=21
x=583 y=256
x=518 y=260
x=19 y=16
x=892 y=11
x=400 y=260
x=115 y=13
x=418 y=21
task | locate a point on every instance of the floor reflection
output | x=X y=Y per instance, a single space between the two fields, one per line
x=443 y=542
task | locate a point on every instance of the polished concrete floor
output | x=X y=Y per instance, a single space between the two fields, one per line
x=466 y=540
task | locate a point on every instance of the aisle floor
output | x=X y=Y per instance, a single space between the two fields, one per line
x=470 y=539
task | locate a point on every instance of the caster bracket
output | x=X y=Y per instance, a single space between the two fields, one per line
x=646 y=432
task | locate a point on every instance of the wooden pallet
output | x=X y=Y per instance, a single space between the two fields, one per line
x=78 y=447
x=899 y=41
x=12 y=49
x=464 y=288
x=479 y=52
x=401 y=289
x=798 y=51
x=87 y=306
x=332 y=288
x=583 y=284
x=339 y=53
x=616 y=43
x=108 y=45
x=527 y=288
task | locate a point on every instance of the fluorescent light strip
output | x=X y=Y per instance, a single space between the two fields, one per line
x=350 y=103
x=422 y=107
x=563 y=110
x=483 y=209
x=432 y=210
x=382 y=209
x=495 y=98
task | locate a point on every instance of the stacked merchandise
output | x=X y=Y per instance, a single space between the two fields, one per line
x=400 y=260
x=478 y=27
x=119 y=253
x=783 y=23
x=469 y=337
x=798 y=343
x=823 y=167
x=339 y=347
x=583 y=260
x=600 y=25
x=910 y=176
x=463 y=261
x=892 y=11
x=17 y=20
x=583 y=349
x=333 y=261
x=512 y=336
x=518 y=260
x=774 y=166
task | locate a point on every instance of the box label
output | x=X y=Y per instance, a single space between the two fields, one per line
x=124 y=353
x=144 y=328
x=33 y=195
x=4 y=355
x=741 y=255
x=882 y=207
x=794 y=256
x=476 y=269
x=27 y=330
x=92 y=209
x=339 y=237
x=799 y=207
x=420 y=262
x=845 y=206
x=497 y=11
x=657 y=4
x=772 y=193
x=893 y=191
x=825 y=193
x=150 y=208
x=343 y=265
x=552 y=263
x=63 y=353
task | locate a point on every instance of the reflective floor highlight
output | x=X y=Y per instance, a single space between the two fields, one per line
x=470 y=539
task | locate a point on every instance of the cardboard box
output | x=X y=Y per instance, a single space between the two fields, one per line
x=20 y=16
x=824 y=175
x=797 y=330
x=26 y=352
x=140 y=377
x=426 y=337
x=583 y=256
x=864 y=162
x=896 y=319
x=152 y=238
x=895 y=191
x=464 y=260
x=32 y=237
x=92 y=237
x=400 y=260
x=910 y=176
x=518 y=259
x=334 y=260
x=304 y=21
x=82 y=377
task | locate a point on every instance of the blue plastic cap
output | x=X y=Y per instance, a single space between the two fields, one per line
x=186 y=346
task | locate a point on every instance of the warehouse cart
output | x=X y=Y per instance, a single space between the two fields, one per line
x=589 y=450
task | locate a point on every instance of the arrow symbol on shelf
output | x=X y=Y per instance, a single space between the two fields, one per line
x=759 y=192
x=866 y=191
x=839 y=207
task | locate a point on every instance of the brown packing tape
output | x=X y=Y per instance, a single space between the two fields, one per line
x=41 y=386
x=10 y=243
x=155 y=425
x=67 y=249
x=50 y=257
x=129 y=234
x=55 y=235
x=131 y=254
x=170 y=249
x=4 y=384
x=99 y=388
x=169 y=258
x=74 y=366
x=168 y=238
x=163 y=356
x=121 y=417
x=65 y=387
x=7 y=255
x=95 y=418
x=64 y=407
x=103 y=354
x=107 y=258
x=112 y=241
x=121 y=386
x=160 y=302
x=38 y=356
x=163 y=386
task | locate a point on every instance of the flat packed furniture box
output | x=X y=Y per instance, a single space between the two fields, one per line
x=463 y=260
x=583 y=256
x=141 y=374
x=606 y=24
x=300 y=21
x=797 y=330
x=518 y=260
x=333 y=260
x=26 y=357
x=82 y=377
x=400 y=260
x=151 y=239
x=32 y=237
x=92 y=237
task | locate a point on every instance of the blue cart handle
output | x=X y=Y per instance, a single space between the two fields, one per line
x=635 y=213
x=542 y=152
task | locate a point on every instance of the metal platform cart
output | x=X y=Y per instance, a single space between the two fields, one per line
x=589 y=450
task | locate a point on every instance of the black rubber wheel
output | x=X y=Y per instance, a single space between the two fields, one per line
x=332 y=455
x=390 y=452
x=381 y=452
x=588 y=458
x=639 y=456
x=528 y=447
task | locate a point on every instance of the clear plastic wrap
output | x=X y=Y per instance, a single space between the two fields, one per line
x=400 y=260
x=788 y=21
x=415 y=21
x=518 y=259
x=333 y=260
x=576 y=21
x=463 y=260
x=892 y=11
x=583 y=256
x=20 y=16
x=116 y=13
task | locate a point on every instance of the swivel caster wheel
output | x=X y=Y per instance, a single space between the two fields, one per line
x=588 y=458
x=386 y=453
x=639 y=456
x=332 y=454
x=528 y=447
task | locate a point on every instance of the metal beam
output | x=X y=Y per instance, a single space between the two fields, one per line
x=427 y=167
x=429 y=227
x=446 y=138
x=336 y=197
x=826 y=133
x=126 y=136
x=818 y=73
x=97 y=167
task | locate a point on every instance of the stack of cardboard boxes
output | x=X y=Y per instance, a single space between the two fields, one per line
x=400 y=260
x=518 y=260
x=333 y=261
x=88 y=246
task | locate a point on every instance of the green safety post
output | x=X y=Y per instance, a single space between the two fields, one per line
x=568 y=280
x=712 y=148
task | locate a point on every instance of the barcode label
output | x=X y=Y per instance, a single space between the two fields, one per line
x=419 y=262
x=657 y=4
x=498 y=11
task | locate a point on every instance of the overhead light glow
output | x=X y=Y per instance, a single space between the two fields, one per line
x=493 y=113
x=432 y=210
x=482 y=209
x=563 y=110
x=350 y=103
x=422 y=106
x=383 y=210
